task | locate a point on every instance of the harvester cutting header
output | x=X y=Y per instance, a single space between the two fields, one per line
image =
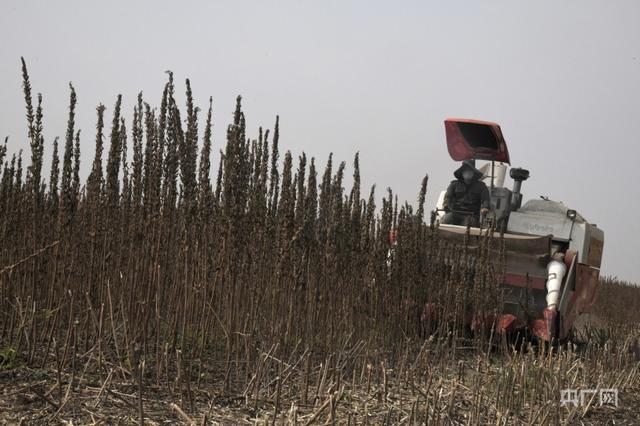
x=552 y=253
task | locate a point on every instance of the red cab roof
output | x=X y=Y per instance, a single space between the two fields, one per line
x=475 y=139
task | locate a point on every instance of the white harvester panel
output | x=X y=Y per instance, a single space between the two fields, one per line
x=543 y=217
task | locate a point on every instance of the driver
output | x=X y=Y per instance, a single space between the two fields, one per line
x=466 y=197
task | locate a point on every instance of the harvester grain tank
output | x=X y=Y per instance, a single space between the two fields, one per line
x=552 y=253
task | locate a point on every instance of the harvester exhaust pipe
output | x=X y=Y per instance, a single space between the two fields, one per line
x=518 y=175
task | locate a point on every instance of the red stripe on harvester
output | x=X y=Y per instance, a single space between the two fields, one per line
x=522 y=281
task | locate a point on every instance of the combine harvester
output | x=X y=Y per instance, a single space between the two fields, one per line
x=552 y=255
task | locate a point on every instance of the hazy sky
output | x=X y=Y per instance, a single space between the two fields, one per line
x=561 y=78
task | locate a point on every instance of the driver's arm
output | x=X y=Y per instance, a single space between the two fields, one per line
x=448 y=196
x=485 y=200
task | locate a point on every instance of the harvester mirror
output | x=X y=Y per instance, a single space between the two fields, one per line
x=571 y=214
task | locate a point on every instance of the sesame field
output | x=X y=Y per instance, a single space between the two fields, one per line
x=193 y=281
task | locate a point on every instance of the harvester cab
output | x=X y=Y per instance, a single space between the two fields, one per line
x=472 y=140
x=552 y=253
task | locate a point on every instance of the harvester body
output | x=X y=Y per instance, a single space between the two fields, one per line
x=551 y=254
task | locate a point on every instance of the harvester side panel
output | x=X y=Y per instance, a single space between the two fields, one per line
x=540 y=223
x=580 y=299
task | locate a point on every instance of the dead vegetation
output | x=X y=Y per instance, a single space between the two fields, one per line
x=270 y=295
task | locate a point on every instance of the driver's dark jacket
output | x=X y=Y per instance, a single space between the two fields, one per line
x=461 y=197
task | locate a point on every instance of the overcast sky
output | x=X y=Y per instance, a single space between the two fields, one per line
x=561 y=78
